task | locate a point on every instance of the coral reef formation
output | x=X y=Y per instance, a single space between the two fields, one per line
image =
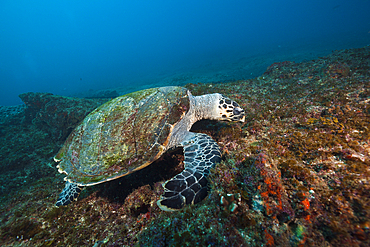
x=296 y=173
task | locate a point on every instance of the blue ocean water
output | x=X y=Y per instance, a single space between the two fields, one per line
x=70 y=47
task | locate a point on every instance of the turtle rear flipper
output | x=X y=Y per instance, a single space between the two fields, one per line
x=69 y=193
x=201 y=153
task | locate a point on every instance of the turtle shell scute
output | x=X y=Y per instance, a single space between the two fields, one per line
x=123 y=135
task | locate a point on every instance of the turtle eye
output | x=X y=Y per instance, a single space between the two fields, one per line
x=236 y=111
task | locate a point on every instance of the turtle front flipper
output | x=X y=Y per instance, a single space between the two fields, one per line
x=69 y=193
x=201 y=153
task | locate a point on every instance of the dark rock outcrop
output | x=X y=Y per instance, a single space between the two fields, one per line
x=56 y=115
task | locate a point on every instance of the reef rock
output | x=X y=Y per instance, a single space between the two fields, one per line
x=57 y=115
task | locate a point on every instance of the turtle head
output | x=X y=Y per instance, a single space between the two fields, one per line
x=216 y=107
x=229 y=110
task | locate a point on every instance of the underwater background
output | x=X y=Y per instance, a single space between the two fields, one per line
x=295 y=173
x=73 y=47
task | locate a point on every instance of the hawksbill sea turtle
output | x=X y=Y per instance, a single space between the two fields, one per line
x=129 y=132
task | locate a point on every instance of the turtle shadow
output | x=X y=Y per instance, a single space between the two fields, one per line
x=166 y=167
x=163 y=169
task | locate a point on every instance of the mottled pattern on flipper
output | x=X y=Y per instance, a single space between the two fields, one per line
x=201 y=153
x=69 y=193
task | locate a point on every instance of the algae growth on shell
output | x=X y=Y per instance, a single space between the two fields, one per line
x=121 y=136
